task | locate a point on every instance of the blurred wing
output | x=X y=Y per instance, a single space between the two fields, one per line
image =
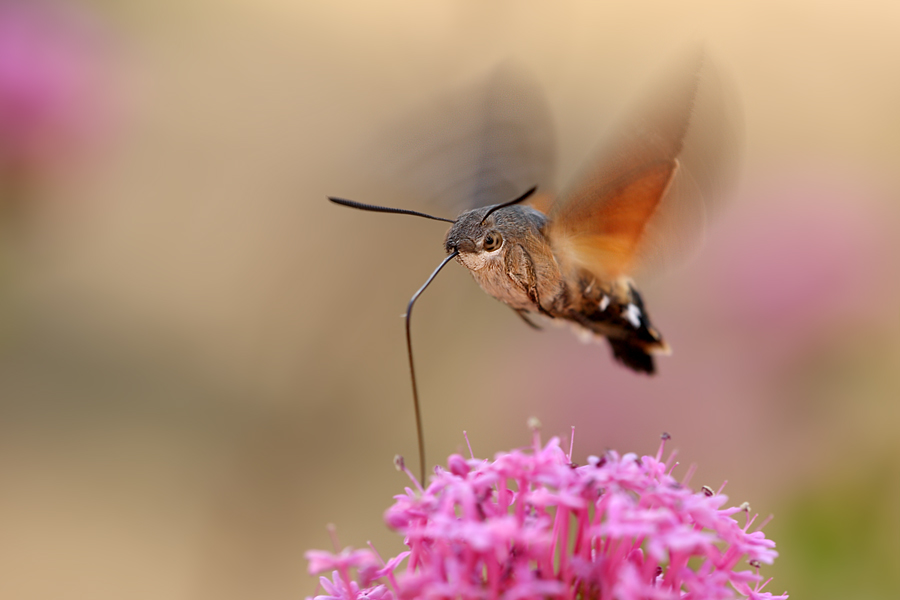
x=644 y=201
x=601 y=233
x=482 y=145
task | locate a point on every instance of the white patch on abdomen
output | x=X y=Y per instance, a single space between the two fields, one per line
x=604 y=303
x=632 y=314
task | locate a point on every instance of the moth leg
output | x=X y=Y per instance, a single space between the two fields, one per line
x=520 y=269
x=523 y=314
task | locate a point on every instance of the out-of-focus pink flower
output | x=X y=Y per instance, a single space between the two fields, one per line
x=530 y=524
x=814 y=253
x=51 y=82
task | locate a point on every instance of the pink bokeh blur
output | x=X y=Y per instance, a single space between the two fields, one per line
x=53 y=83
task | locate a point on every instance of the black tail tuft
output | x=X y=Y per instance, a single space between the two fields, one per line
x=632 y=356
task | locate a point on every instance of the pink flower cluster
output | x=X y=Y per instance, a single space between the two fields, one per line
x=530 y=524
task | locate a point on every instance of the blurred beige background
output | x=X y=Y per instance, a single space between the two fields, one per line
x=202 y=361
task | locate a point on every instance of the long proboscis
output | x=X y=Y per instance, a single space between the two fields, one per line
x=387 y=209
x=412 y=368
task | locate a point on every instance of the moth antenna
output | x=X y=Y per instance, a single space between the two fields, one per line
x=412 y=369
x=521 y=198
x=386 y=209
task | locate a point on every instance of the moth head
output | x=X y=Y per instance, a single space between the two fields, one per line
x=480 y=235
x=478 y=240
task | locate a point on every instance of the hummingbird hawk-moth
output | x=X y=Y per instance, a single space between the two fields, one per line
x=570 y=259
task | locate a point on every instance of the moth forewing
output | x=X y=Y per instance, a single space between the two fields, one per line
x=709 y=160
x=600 y=230
x=478 y=144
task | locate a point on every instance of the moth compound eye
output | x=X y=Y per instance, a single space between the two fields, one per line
x=492 y=241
